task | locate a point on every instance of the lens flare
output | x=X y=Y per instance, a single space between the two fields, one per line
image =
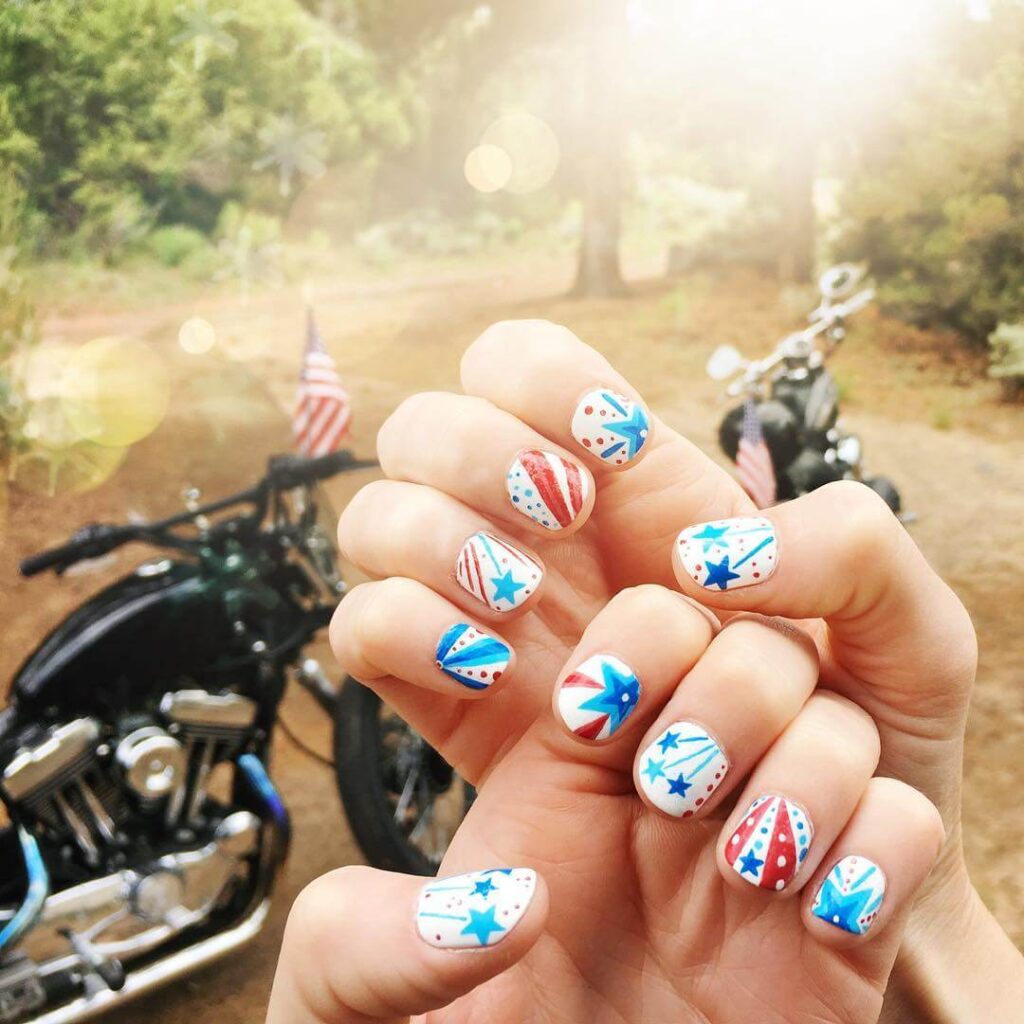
x=530 y=145
x=488 y=168
x=197 y=336
x=114 y=391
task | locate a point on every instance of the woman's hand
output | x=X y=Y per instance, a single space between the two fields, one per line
x=495 y=563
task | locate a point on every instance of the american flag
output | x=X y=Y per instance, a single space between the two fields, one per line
x=322 y=408
x=753 y=460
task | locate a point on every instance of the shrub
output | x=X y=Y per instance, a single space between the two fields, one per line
x=174 y=244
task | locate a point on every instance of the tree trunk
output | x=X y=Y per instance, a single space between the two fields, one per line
x=603 y=137
x=797 y=165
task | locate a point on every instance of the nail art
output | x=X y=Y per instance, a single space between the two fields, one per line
x=598 y=697
x=729 y=553
x=681 y=769
x=546 y=488
x=610 y=426
x=476 y=909
x=770 y=843
x=497 y=573
x=851 y=895
x=471 y=657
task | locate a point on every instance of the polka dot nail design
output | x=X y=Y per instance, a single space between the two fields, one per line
x=851 y=895
x=546 y=488
x=729 y=553
x=681 y=769
x=610 y=426
x=476 y=909
x=770 y=843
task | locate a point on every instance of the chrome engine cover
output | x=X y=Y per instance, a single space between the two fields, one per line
x=128 y=913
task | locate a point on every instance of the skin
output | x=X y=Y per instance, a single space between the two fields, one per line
x=638 y=917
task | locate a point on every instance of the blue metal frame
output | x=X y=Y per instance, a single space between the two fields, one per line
x=35 y=895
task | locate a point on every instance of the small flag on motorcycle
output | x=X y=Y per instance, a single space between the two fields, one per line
x=753 y=460
x=323 y=410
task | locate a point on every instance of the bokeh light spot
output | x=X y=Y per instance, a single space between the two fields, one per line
x=532 y=147
x=197 y=336
x=115 y=391
x=488 y=168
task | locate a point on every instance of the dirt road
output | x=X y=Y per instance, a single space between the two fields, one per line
x=966 y=482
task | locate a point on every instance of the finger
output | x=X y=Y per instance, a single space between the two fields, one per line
x=898 y=641
x=487 y=458
x=739 y=697
x=875 y=867
x=400 y=529
x=543 y=374
x=363 y=945
x=398 y=627
x=629 y=659
x=799 y=797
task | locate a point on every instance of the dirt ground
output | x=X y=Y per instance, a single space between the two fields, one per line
x=925 y=418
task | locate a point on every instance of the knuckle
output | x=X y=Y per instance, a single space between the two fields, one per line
x=845 y=728
x=867 y=523
x=405 y=420
x=357 y=513
x=664 y=612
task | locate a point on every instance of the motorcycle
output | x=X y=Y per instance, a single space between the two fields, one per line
x=145 y=832
x=797 y=400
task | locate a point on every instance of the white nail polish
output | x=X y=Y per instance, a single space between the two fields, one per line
x=610 y=426
x=851 y=895
x=729 y=553
x=769 y=845
x=681 y=769
x=476 y=909
x=596 y=698
x=496 y=572
x=546 y=488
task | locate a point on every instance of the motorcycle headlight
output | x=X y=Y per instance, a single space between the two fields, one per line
x=849 y=450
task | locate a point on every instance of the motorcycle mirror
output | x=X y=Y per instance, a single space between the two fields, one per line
x=724 y=362
x=839 y=281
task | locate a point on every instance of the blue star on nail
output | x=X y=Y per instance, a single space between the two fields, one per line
x=505 y=587
x=618 y=696
x=670 y=741
x=481 y=924
x=484 y=888
x=710 y=536
x=719 y=574
x=634 y=430
x=678 y=785
x=750 y=864
x=654 y=769
x=842 y=911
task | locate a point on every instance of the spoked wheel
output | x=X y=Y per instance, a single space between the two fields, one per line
x=404 y=802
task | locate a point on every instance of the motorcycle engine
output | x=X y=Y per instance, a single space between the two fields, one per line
x=142 y=850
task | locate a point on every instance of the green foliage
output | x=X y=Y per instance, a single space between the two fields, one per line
x=173 y=244
x=936 y=205
x=118 y=115
x=1006 y=359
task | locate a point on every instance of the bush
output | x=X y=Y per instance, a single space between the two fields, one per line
x=174 y=244
x=936 y=203
x=1006 y=359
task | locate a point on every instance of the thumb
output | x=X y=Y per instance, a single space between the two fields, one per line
x=365 y=945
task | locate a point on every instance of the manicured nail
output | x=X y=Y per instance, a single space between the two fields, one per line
x=851 y=895
x=471 y=657
x=770 y=843
x=473 y=910
x=610 y=426
x=546 y=488
x=598 y=697
x=681 y=769
x=497 y=573
x=729 y=553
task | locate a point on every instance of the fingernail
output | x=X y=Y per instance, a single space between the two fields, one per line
x=471 y=657
x=729 y=553
x=546 y=488
x=610 y=426
x=495 y=572
x=598 y=697
x=851 y=895
x=681 y=769
x=770 y=843
x=476 y=909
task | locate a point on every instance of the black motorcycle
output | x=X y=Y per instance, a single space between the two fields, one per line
x=145 y=832
x=797 y=400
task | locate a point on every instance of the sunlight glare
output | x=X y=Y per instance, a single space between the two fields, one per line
x=488 y=168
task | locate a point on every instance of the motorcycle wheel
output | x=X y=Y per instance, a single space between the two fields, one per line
x=886 y=489
x=403 y=801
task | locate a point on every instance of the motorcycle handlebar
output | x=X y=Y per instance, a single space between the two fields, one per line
x=88 y=542
x=287 y=471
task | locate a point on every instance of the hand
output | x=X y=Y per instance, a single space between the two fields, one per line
x=685 y=931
